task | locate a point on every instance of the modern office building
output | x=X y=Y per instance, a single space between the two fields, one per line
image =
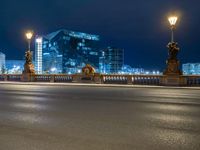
x=14 y=66
x=111 y=60
x=191 y=69
x=66 y=51
x=126 y=69
x=2 y=62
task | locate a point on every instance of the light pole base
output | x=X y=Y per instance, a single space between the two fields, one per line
x=28 y=77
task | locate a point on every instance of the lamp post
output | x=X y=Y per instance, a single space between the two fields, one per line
x=29 y=36
x=172 y=20
x=173 y=50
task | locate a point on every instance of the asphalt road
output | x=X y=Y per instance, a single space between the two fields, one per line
x=35 y=117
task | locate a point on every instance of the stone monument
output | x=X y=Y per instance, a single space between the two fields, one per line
x=172 y=73
x=29 y=71
x=172 y=61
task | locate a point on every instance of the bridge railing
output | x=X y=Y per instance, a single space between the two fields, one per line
x=190 y=80
x=10 y=77
x=132 y=79
x=53 y=78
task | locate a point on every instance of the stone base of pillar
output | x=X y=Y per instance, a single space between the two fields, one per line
x=129 y=80
x=28 y=77
x=81 y=78
x=173 y=80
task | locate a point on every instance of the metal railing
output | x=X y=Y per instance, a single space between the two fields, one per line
x=190 y=80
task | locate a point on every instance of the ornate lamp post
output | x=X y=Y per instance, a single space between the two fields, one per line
x=172 y=61
x=29 y=36
x=172 y=72
x=172 y=20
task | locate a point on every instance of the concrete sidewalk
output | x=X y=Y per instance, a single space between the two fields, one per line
x=95 y=85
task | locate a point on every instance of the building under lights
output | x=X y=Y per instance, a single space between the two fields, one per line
x=66 y=51
x=126 y=69
x=2 y=61
x=14 y=66
x=111 y=60
x=191 y=68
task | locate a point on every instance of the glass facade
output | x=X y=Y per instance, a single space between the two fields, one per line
x=2 y=62
x=38 y=55
x=14 y=66
x=66 y=51
x=191 y=69
x=111 y=60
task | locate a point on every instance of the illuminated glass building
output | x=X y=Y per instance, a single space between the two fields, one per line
x=2 y=61
x=14 y=66
x=66 y=51
x=111 y=60
x=191 y=69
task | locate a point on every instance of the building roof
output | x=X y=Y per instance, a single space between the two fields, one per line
x=2 y=53
x=72 y=34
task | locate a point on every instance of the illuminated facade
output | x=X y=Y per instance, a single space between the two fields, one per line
x=111 y=60
x=66 y=51
x=38 y=55
x=14 y=66
x=2 y=62
x=191 y=69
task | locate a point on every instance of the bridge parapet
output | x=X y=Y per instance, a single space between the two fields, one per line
x=132 y=79
x=10 y=77
x=188 y=80
x=192 y=80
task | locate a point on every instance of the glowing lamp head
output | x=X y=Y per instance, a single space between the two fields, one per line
x=173 y=20
x=29 y=35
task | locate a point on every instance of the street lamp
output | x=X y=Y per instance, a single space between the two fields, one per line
x=173 y=50
x=172 y=20
x=29 y=36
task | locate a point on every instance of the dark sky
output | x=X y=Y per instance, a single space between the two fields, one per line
x=138 y=26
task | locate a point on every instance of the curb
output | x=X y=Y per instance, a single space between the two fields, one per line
x=96 y=85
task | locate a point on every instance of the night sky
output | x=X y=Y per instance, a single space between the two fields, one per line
x=138 y=26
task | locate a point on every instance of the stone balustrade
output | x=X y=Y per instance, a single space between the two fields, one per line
x=10 y=77
x=193 y=80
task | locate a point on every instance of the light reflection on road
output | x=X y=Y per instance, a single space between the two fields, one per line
x=88 y=118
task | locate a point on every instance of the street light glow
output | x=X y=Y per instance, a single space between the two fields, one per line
x=29 y=35
x=173 y=20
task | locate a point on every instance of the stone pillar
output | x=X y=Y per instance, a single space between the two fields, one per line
x=97 y=78
x=5 y=77
x=129 y=80
x=173 y=80
x=28 y=77
x=76 y=78
x=52 y=78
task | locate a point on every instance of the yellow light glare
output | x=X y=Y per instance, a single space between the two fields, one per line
x=173 y=20
x=29 y=35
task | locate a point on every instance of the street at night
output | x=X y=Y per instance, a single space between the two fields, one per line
x=43 y=117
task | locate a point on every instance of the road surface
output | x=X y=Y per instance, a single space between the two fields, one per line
x=35 y=117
